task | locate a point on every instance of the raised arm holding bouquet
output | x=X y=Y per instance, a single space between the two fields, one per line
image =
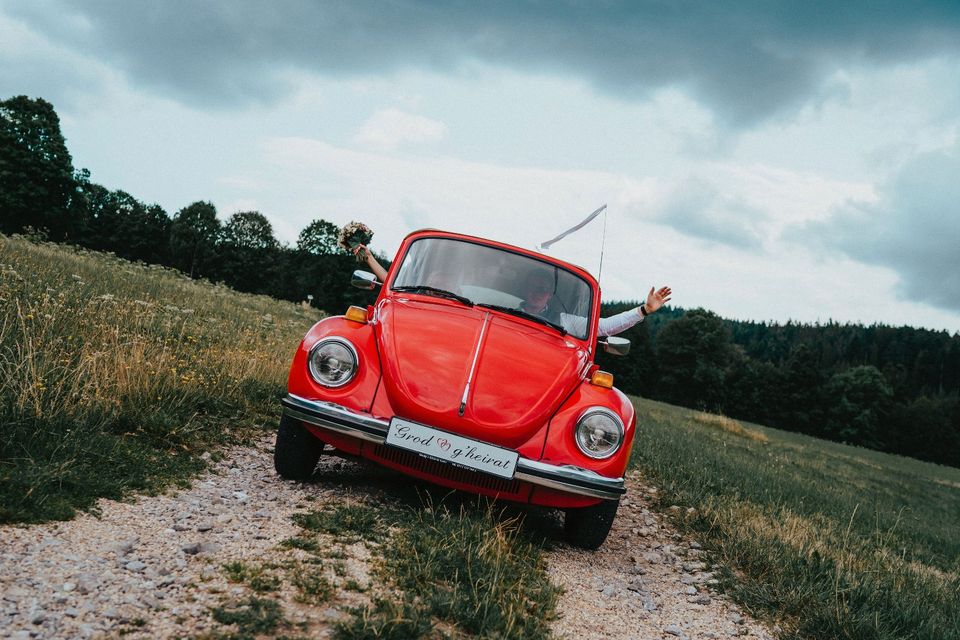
x=354 y=238
x=365 y=255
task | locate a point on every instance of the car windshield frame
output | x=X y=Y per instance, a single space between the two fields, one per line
x=496 y=277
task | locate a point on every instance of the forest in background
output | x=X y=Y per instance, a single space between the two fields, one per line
x=894 y=389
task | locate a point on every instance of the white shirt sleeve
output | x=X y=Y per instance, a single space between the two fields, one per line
x=620 y=322
x=577 y=325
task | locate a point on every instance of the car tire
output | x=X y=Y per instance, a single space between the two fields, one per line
x=297 y=450
x=587 y=527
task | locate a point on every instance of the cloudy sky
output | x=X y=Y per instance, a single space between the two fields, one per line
x=768 y=160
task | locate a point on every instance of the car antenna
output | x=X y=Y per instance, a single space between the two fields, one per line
x=603 y=243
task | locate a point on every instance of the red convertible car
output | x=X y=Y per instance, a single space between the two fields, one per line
x=451 y=378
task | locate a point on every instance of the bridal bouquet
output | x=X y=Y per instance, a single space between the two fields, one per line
x=352 y=236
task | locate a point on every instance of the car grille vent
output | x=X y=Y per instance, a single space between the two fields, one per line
x=446 y=470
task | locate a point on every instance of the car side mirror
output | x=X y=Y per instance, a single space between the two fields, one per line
x=364 y=280
x=616 y=346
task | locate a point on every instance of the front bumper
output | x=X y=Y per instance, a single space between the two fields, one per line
x=567 y=478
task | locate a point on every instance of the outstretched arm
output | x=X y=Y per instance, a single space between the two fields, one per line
x=622 y=321
x=375 y=266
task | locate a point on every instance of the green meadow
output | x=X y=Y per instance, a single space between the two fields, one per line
x=117 y=377
x=831 y=540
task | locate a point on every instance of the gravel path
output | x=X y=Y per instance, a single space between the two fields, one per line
x=646 y=581
x=152 y=568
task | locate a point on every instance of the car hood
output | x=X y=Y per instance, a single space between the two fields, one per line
x=522 y=373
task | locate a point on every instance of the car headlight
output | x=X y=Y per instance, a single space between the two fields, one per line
x=599 y=433
x=333 y=362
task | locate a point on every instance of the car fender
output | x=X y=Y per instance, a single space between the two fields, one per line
x=358 y=394
x=560 y=446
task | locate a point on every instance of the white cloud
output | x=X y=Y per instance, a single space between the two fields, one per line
x=524 y=206
x=746 y=206
x=881 y=119
x=521 y=205
x=912 y=229
x=388 y=129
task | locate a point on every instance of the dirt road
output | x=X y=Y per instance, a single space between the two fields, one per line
x=153 y=568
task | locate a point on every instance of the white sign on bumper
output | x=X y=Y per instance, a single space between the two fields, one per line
x=449 y=447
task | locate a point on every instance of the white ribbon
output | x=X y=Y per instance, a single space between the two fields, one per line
x=546 y=245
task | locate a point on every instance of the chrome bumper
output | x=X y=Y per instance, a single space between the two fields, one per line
x=334 y=417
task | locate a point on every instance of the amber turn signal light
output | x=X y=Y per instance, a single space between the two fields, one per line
x=357 y=314
x=602 y=379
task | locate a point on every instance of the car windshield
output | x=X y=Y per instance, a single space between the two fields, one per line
x=488 y=276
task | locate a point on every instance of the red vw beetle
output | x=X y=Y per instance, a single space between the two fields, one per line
x=447 y=378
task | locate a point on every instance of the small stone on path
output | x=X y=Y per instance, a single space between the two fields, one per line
x=191 y=548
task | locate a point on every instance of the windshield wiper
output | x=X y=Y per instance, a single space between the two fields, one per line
x=442 y=293
x=524 y=314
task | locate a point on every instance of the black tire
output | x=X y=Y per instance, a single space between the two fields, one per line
x=587 y=527
x=297 y=450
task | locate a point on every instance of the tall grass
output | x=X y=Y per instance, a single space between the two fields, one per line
x=836 y=541
x=473 y=569
x=116 y=376
x=469 y=571
x=725 y=423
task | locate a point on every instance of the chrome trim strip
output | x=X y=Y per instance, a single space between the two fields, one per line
x=330 y=415
x=336 y=418
x=605 y=494
x=570 y=478
x=473 y=367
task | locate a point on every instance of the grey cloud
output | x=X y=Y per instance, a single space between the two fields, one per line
x=698 y=209
x=44 y=72
x=747 y=61
x=914 y=229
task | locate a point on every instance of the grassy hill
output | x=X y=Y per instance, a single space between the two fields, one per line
x=840 y=541
x=116 y=377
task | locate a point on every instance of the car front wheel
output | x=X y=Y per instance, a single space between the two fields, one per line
x=297 y=451
x=587 y=527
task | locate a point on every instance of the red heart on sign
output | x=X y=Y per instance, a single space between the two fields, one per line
x=444 y=443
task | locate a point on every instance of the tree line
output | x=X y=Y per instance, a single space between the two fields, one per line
x=895 y=389
x=887 y=388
